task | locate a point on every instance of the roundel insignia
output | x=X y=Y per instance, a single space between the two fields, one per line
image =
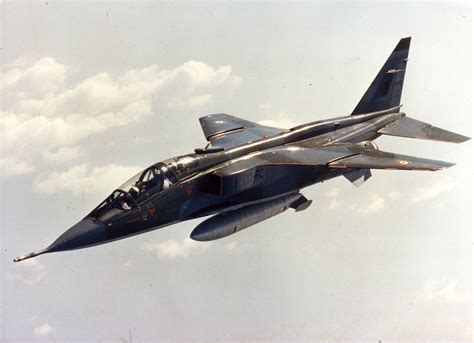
x=402 y=162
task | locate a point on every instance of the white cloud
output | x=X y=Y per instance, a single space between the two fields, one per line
x=279 y=119
x=46 y=112
x=376 y=205
x=27 y=136
x=83 y=179
x=172 y=249
x=334 y=199
x=194 y=101
x=11 y=166
x=24 y=79
x=232 y=247
x=30 y=272
x=431 y=191
x=445 y=291
x=394 y=195
x=43 y=330
x=63 y=154
x=284 y=123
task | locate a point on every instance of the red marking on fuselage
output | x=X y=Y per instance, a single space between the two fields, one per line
x=189 y=192
x=151 y=210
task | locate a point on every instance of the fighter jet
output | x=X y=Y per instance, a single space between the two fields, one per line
x=249 y=172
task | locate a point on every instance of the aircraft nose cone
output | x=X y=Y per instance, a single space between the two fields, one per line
x=85 y=233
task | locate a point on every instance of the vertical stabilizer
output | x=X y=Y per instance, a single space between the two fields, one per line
x=386 y=89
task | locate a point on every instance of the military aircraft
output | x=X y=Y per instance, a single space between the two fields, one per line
x=249 y=172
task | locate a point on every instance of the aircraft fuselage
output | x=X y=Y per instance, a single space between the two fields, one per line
x=196 y=194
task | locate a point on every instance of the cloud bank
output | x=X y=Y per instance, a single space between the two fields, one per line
x=48 y=109
x=83 y=179
x=377 y=203
x=433 y=189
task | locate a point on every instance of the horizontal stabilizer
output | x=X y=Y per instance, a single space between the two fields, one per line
x=412 y=128
x=385 y=160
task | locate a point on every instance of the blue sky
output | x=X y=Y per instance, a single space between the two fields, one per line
x=92 y=93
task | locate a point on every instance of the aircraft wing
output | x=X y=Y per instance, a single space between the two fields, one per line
x=262 y=167
x=336 y=156
x=369 y=158
x=226 y=131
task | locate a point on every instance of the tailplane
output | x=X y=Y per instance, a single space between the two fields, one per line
x=386 y=89
x=412 y=128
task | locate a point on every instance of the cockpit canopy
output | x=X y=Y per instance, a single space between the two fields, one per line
x=151 y=180
x=137 y=189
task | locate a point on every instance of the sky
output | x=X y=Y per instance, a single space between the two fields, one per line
x=91 y=93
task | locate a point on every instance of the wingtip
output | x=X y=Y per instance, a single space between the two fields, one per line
x=444 y=165
x=456 y=138
x=449 y=165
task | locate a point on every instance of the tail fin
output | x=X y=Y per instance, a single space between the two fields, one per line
x=386 y=89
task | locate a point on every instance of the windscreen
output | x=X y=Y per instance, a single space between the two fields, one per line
x=138 y=188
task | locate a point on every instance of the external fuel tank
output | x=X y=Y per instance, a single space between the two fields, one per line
x=228 y=223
